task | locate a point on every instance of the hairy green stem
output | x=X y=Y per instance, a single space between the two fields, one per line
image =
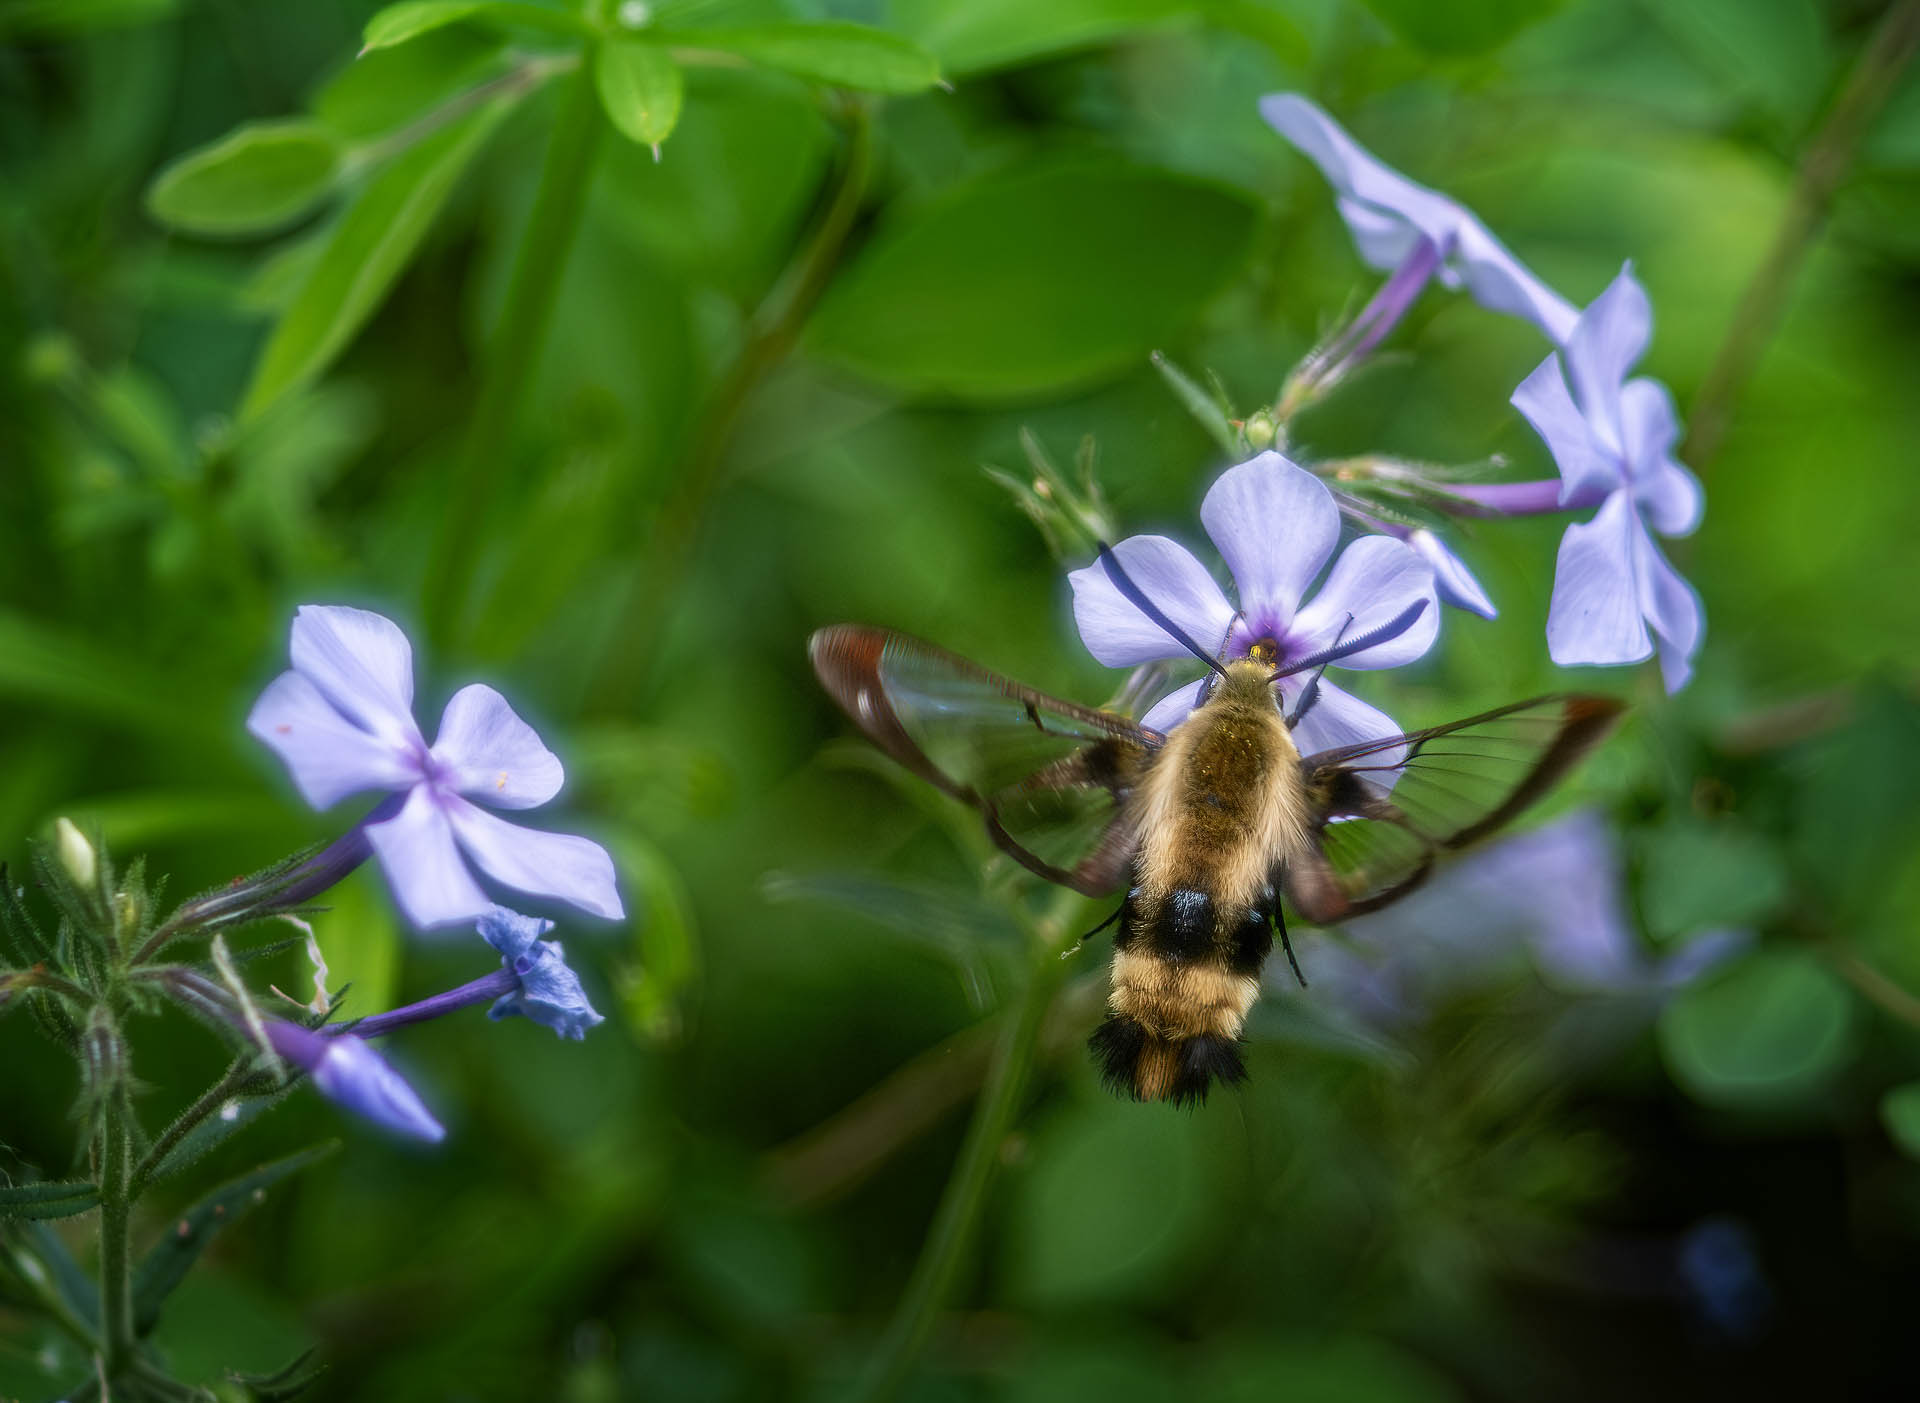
x=514 y=352
x=958 y=1216
x=116 y=1276
x=188 y=1120
x=774 y=328
x=1872 y=81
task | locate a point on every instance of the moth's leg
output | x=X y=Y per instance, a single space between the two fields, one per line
x=1280 y=925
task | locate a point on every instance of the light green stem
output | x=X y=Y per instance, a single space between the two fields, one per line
x=514 y=352
x=958 y=1216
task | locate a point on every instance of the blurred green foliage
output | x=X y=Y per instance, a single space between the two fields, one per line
x=252 y=292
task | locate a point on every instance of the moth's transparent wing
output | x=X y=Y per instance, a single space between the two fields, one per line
x=1050 y=777
x=1450 y=785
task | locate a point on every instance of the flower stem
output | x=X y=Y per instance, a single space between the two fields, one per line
x=209 y=1101
x=959 y=1212
x=1872 y=81
x=775 y=326
x=488 y=986
x=515 y=349
x=116 y=1278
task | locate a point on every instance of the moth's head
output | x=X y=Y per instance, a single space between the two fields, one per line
x=1241 y=682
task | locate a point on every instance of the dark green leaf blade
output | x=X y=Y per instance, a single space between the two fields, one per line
x=409 y=20
x=48 y=1199
x=181 y=1245
x=1039 y=279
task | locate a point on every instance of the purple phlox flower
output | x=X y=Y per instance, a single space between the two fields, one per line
x=549 y=992
x=1276 y=525
x=1398 y=225
x=348 y=1071
x=1553 y=897
x=1613 y=440
x=1453 y=581
x=342 y=720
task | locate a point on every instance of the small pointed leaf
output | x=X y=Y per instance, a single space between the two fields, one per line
x=640 y=89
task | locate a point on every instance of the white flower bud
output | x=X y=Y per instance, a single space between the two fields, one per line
x=76 y=854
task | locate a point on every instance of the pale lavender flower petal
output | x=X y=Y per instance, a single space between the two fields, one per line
x=1671 y=607
x=1595 y=616
x=1338 y=718
x=1451 y=576
x=348 y=1071
x=488 y=753
x=429 y=878
x=1611 y=335
x=328 y=756
x=1374 y=581
x=558 y=865
x=1114 y=629
x=1275 y=524
x=1387 y=214
x=549 y=992
x=361 y=662
x=1174 y=707
x=1668 y=494
x=1586 y=469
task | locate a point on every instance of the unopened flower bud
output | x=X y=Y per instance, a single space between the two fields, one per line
x=76 y=854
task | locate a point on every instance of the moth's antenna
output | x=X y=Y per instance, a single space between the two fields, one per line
x=1137 y=597
x=1387 y=631
x=1310 y=693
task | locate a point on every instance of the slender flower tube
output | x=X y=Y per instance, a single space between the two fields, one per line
x=1276 y=524
x=1391 y=217
x=347 y=1071
x=342 y=720
x=1615 y=597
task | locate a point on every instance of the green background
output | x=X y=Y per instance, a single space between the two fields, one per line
x=202 y=427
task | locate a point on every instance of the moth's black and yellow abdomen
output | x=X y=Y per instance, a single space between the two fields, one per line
x=1135 y=1063
x=1185 y=972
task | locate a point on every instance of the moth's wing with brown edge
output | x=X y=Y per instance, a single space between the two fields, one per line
x=1051 y=777
x=1385 y=809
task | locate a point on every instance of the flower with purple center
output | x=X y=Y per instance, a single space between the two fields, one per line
x=549 y=992
x=347 y=1071
x=342 y=720
x=1276 y=525
x=1413 y=232
x=1614 y=594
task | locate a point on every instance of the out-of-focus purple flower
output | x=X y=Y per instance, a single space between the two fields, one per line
x=342 y=720
x=1276 y=525
x=346 y=1070
x=1553 y=898
x=549 y=992
x=1613 y=440
x=1398 y=224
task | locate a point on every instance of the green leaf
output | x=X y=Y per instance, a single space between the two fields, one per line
x=847 y=55
x=181 y=1244
x=1035 y=280
x=1772 y=1028
x=232 y=1118
x=970 y=35
x=1773 y=54
x=388 y=88
x=365 y=252
x=1695 y=875
x=1900 y=1113
x=255 y=179
x=361 y=941
x=640 y=89
x=48 y=1199
x=398 y=23
x=1460 y=28
x=654 y=992
x=42 y=665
